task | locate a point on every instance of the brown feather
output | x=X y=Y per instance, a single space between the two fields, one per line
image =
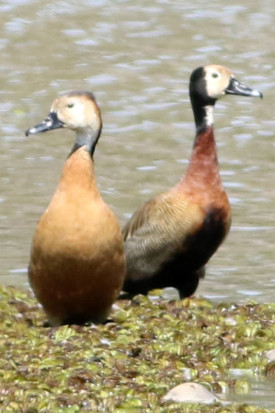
x=77 y=259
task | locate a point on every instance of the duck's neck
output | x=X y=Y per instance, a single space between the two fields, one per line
x=203 y=169
x=203 y=117
x=78 y=173
x=86 y=138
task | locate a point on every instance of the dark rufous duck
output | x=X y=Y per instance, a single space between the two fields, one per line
x=77 y=264
x=169 y=240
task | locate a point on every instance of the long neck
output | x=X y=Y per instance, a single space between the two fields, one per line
x=86 y=138
x=203 y=166
x=203 y=169
x=78 y=174
x=203 y=115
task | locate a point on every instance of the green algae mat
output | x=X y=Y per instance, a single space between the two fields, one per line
x=148 y=346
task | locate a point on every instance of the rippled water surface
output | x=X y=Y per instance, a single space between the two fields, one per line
x=137 y=58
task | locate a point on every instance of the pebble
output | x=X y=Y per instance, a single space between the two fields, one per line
x=271 y=355
x=190 y=393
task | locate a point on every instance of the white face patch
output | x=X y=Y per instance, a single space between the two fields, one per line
x=75 y=114
x=217 y=80
x=79 y=114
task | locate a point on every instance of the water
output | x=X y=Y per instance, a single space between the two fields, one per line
x=137 y=58
x=261 y=392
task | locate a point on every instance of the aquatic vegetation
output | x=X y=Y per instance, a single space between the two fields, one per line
x=129 y=364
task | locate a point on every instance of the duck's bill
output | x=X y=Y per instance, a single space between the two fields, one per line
x=51 y=122
x=237 y=88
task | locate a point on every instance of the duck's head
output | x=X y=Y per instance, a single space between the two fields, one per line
x=211 y=82
x=77 y=111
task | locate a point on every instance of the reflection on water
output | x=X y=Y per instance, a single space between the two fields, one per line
x=137 y=59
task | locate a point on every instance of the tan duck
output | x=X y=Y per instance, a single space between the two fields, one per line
x=77 y=263
x=169 y=240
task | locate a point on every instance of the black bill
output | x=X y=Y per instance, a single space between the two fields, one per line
x=51 y=122
x=237 y=88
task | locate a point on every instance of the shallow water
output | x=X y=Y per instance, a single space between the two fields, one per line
x=137 y=59
x=261 y=392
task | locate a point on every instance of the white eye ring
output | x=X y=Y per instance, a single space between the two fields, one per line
x=215 y=75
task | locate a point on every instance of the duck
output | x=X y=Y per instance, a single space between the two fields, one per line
x=77 y=261
x=169 y=240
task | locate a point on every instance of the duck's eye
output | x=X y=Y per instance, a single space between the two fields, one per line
x=215 y=75
x=70 y=105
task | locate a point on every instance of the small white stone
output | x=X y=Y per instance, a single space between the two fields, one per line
x=190 y=393
x=271 y=355
x=230 y=321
